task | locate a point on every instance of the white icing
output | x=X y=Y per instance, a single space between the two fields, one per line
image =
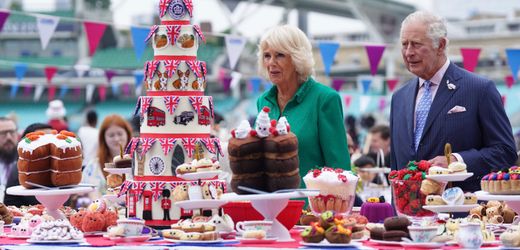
x=45 y=139
x=329 y=184
x=243 y=129
x=176 y=50
x=183 y=67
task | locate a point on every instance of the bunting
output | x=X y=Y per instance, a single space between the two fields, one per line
x=173 y=32
x=189 y=6
x=199 y=32
x=470 y=58
x=102 y=90
x=374 y=52
x=146 y=101
x=146 y=144
x=50 y=71
x=195 y=66
x=46 y=28
x=157 y=188
x=171 y=66
x=139 y=188
x=189 y=145
x=209 y=144
x=348 y=100
x=125 y=187
x=171 y=103
x=153 y=29
x=163 y=6
x=94 y=33
x=513 y=59
x=328 y=52
x=392 y=83
x=3 y=17
x=138 y=38
x=234 y=47
x=196 y=103
x=51 y=91
x=167 y=144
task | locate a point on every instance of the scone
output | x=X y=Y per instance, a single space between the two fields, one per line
x=470 y=198
x=457 y=167
x=438 y=170
x=434 y=200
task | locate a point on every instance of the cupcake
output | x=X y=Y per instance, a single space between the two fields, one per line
x=313 y=234
x=338 y=234
x=307 y=218
x=327 y=219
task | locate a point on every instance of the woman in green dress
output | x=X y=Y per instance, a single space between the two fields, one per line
x=314 y=111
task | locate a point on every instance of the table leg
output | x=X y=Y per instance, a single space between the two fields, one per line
x=270 y=210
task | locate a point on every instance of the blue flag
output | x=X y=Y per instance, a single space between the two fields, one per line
x=14 y=89
x=255 y=84
x=138 y=37
x=63 y=91
x=513 y=58
x=115 y=88
x=366 y=85
x=328 y=52
x=19 y=70
x=139 y=76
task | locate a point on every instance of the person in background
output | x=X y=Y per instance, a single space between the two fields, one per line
x=114 y=132
x=446 y=104
x=56 y=113
x=313 y=110
x=88 y=134
x=8 y=164
x=370 y=183
x=380 y=143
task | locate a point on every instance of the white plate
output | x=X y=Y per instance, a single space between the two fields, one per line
x=325 y=243
x=200 y=175
x=96 y=233
x=374 y=170
x=118 y=170
x=267 y=240
x=423 y=244
x=450 y=209
x=201 y=242
x=140 y=238
x=449 y=177
x=55 y=241
x=200 y=204
x=387 y=243
x=485 y=243
x=18 y=236
x=481 y=195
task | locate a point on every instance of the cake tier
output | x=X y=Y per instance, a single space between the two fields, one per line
x=175 y=75
x=175 y=11
x=175 y=41
x=176 y=114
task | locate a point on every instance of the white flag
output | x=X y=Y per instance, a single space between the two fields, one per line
x=363 y=103
x=234 y=47
x=90 y=92
x=38 y=91
x=235 y=84
x=81 y=69
x=46 y=27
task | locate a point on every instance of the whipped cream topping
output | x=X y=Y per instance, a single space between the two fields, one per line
x=337 y=182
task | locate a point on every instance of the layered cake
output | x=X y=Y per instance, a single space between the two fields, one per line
x=506 y=181
x=266 y=157
x=49 y=159
x=176 y=120
x=337 y=189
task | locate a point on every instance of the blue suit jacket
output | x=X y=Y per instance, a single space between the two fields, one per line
x=481 y=135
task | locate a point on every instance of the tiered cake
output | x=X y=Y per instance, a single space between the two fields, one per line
x=176 y=119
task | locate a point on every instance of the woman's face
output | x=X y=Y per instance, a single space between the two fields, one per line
x=279 y=67
x=114 y=136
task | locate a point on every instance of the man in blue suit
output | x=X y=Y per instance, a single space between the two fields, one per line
x=446 y=104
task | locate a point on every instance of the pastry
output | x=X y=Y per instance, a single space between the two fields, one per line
x=511 y=237
x=313 y=234
x=93 y=222
x=457 y=167
x=394 y=235
x=307 y=218
x=438 y=170
x=327 y=219
x=453 y=196
x=174 y=234
x=397 y=223
x=430 y=187
x=338 y=234
x=470 y=198
x=433 y=200
x=377 y=233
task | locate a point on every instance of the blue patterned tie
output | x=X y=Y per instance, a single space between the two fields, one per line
x=423 y=107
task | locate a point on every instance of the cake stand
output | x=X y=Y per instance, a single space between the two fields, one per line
x=269 y=206
x=512 y=201
x=52 y=199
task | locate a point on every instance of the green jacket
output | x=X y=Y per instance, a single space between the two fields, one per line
x=315 y=115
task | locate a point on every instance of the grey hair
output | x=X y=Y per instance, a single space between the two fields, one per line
x=436 y=25
x=292 y=41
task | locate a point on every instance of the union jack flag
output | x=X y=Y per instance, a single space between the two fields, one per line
x=146 y=101
x=130 y=148
x=209 y=144
x=137 y=106
x=171 y=66
x=167 y=144
x=210 y=100
x=145 y=69
x=139 y=187
x=216 y=141
x=157 y=188
x=196 y=103
x=153 y=29
x=194 y=66
x=189 y=145
x=171 y=103
x=152 y=68
x=173 y=32
x=146 y=144
x=203 y=67
x=163 y=6
x=199 y=32
x=189 y=6
x=124 y=188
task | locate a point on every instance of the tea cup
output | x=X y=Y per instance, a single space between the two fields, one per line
x=131 y=227
x=253 y=225
x=422 y=233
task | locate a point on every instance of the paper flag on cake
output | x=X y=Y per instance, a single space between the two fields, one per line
x=46 y=28
x=374 y=52
x=513 y=59
x=470 y=58
x=234 y=47
x=328 y=52
x=94 y=34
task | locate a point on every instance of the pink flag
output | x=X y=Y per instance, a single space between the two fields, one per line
x=509 y=80
x=102 y=92
x=94 y=33
x=226 y=82
x=126 y=89
x=77 y=93
x=3 y=17
x=348 y=99
x=337 y=83
x=109 y=74
x=504 y=100
x=382 y=104
x=52 y=92
x=392 y=83
x=470 y=58
x=374 y=52
x=50 y=71
x=27 y=90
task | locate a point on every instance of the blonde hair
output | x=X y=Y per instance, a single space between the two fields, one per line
x=291 y=41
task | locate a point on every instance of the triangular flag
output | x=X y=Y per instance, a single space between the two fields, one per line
x=102 y=89
x=27 y=90
x=348 y=100
x=226 y=83
x=382 y=104
x=374 y=52
x=138 y=39
x=138 y=76
x=392 y=83
x=63 y=91
x=94 y=33
x=234 y=47
x=77 y=93
x=513 y=58
x=337 y=83
x=89 y=92
x=51 y=91
x=235 y=83
x=81 y=69
x=126 y=89
x=38 y=91
x=19 y=70
x=3 y=17
x=255 y=84
x=115 y=88
x=366 y=85
x=14 y=89
x=363 y=103
x=328 y=52
x=509 y=81
x=109 y=74
x=46 y=27
x=50 y=71
x=470 y=58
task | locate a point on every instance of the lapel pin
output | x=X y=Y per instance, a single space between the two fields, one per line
x=451 y=86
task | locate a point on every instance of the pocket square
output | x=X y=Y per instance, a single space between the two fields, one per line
x=457 y=109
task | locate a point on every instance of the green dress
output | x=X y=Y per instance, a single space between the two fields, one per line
x=315 y=115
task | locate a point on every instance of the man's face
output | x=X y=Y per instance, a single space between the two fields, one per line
x=419 y=55
x=377 y=142
x=8 y=140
